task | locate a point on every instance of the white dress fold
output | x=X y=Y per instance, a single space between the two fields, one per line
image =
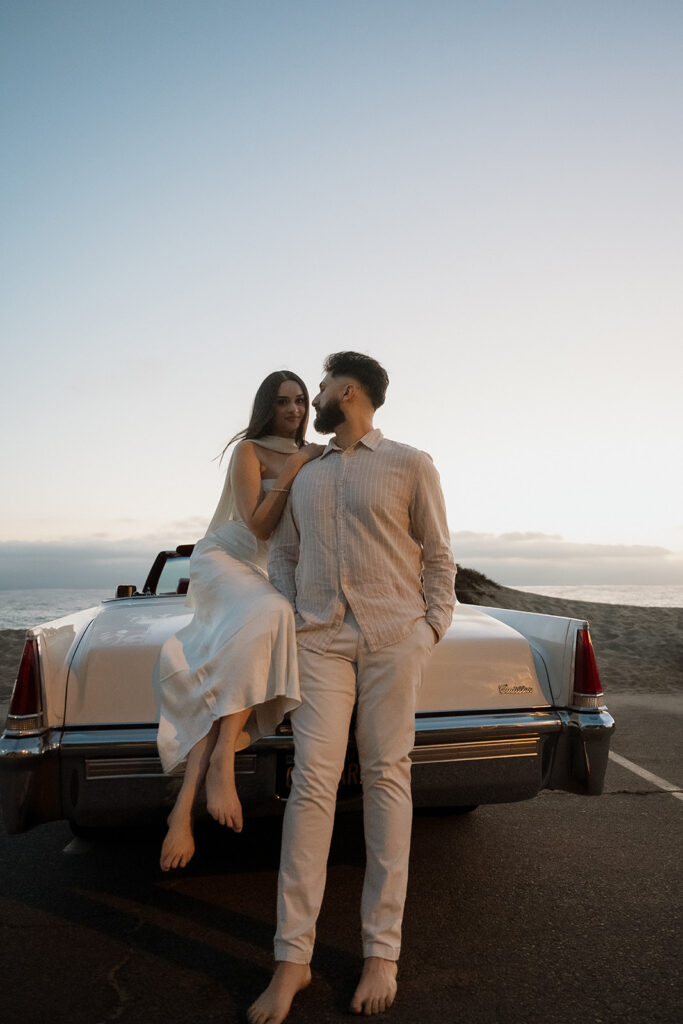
x=238 y=652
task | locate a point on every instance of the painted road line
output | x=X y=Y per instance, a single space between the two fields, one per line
x=644 y=774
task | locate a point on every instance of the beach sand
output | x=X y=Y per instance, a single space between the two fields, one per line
x=11 y=646
x=637 y=649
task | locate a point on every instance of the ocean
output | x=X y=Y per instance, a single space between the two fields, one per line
x=21 y=609
x=644 y=595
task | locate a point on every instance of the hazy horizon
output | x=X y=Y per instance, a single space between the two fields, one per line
x=512 y=560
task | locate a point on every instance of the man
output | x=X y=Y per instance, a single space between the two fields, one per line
x=363 y=553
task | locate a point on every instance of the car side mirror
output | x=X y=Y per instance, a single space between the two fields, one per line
x=126 y=590
x=183 y=584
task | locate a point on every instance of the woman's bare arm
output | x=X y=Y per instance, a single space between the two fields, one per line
x=261 y=513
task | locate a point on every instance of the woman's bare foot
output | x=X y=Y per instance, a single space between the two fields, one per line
x=273 y=1005
x=377 y=987
x=177 y=848
x=222 y=801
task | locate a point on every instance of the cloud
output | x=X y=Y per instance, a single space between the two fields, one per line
x=510 y=558
x=550 y=545
x=189 y=528
x=533 y=558
x=74 y=563
x=98 y=560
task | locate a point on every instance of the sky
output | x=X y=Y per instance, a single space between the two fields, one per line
x=485 y=196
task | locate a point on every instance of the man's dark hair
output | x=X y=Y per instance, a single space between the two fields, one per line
x=373 y=378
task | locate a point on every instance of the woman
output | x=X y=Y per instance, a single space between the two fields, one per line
x=230 y=675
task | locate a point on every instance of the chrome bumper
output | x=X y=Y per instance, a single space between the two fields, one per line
x=112 y=776
x=29 y=780
x=580 y=757
x=489 y=757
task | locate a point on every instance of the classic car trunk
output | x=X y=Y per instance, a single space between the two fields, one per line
x=111 y=679
x=481 y=664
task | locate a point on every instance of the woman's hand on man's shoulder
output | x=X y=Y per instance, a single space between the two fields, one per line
x=308 y=452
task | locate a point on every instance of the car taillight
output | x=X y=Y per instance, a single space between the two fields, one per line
x=26 y=707
x=587 y=687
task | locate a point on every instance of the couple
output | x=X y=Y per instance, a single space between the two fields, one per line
x=360 y=552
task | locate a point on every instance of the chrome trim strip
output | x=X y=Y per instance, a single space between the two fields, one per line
x=246 y=764
x=145 y=767
x=488 y=725
x=535 y=717
x=439 y=753
x=124 y=767
x=108 y=736
x=482 y=724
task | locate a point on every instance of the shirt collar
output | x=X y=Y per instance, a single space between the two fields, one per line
x=371 y=440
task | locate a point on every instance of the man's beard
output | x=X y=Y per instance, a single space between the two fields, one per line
x=328 y=419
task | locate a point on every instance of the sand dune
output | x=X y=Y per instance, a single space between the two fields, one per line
x=638 y=649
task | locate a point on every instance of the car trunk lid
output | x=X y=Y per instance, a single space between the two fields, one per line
x=482 y=664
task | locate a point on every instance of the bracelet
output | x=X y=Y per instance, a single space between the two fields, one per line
x=282 y=490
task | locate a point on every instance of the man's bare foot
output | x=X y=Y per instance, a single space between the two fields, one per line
x=177 y=848
x=377 y=987
x=273 y=1005
x=222 y=801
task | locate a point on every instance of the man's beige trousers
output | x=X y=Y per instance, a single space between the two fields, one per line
x=384 y=684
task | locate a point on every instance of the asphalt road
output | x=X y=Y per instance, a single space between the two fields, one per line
x=560 y=909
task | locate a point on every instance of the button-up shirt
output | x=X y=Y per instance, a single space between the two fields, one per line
x=365 y=526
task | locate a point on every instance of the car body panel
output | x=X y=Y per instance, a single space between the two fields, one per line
x=111 y=675
x=58 y=641
x=494 y=721
x=554 y=637
x=482 y=664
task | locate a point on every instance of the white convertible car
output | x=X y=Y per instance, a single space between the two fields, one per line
x=511 y=705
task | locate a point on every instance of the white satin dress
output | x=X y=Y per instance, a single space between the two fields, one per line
x=238 y=652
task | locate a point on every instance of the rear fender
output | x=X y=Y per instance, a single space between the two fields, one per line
x=553 y=640
x=58 y=642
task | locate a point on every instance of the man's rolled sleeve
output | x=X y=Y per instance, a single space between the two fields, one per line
x=430 y=528
x=283 y=555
